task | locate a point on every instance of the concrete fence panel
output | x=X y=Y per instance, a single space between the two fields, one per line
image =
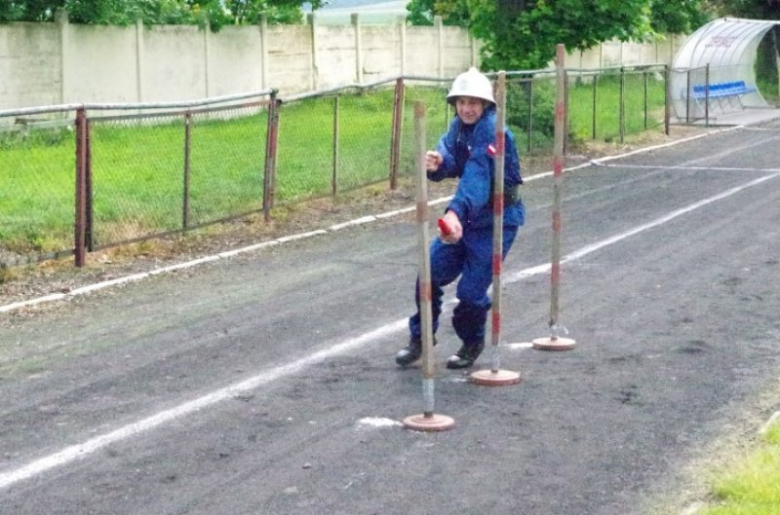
x=381 y=52
x=30 y=65
x=335 y=55
x=235 y=61
x=457 y=51
x=175 y=64
x=421 y=51
x=56 y=63
x=290 y=67
x=99 y=64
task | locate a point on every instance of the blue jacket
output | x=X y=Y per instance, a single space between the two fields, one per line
x=467 y=152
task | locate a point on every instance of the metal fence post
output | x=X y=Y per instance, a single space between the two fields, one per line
x=334 y=181
x=89 y=218
x=187 y=153
x=81 y=188
x=707 y=95
x=271 y=138
x=395 y=137
x=530 y=111
x=595 y=102
x=667 y=97
x=644 y=85
x=622 y=104
x=688 y=96
x=565 y=111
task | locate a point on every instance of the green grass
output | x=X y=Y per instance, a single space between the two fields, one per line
x=138 y=166
x=751 y=485
x=638 y=90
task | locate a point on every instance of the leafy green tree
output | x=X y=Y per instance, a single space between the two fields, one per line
x=755 y=9
x=523 y=34
x=217 y=13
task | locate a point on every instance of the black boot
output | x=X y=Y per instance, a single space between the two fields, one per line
x=410 y=353
x=466 y=356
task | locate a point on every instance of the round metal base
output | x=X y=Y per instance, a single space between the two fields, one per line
x=554 y=344
x=497 y=378
x=429 y=423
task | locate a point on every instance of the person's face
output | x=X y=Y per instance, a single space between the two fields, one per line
x=469 y=109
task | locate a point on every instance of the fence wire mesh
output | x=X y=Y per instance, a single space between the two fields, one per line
x=137 y=167
x=36 y=188
x=226 y=164
x=438 y=115
x=156 y=172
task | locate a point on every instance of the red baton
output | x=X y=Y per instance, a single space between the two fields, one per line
x=444 y=227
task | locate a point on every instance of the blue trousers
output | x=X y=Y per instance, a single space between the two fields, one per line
x=471 y=259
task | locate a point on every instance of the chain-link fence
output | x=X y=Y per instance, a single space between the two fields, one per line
x=37 y=155
x=81 y=178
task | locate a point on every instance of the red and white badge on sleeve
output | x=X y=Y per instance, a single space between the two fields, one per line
x=492 y=150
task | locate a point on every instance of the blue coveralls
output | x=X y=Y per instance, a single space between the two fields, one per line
x=466 y=150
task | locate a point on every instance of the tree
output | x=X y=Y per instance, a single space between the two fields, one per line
x=523 y=34
x=755 y=9
x=217 y=13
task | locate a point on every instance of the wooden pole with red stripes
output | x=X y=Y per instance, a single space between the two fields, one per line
x=555 y=342
x=495 y=376
x=428 y=420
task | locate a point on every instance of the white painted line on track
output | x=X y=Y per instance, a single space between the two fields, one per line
x=81 y=451
x=769 y=423
x=377 y=422
x=665 y=145
x=691 y=168
x=357 y=221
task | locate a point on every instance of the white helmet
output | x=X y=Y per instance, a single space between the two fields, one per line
x=471 y=84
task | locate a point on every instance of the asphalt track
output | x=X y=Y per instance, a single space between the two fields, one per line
x=264 y=383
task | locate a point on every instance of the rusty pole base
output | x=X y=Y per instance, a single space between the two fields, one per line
x=554 y=343
x=429 y=422
x=495 y=377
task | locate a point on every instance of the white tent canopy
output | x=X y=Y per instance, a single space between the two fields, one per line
x=729 y=47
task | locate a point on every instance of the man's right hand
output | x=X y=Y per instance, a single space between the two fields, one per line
x=454 y=229
x=433 y=160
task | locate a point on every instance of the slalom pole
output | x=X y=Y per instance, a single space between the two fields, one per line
x=495 y=376
x=426 y=421
x=555 y=342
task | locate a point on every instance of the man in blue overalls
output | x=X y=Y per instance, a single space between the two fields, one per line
x=467 y=152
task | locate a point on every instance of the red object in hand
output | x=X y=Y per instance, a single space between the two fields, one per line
x=444 y=227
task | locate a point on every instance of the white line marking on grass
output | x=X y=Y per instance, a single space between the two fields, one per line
x=80 y=451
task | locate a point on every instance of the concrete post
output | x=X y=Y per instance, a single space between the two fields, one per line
x=474 y=53
x=139 y=60
x=206 y=31
x=358 y=49
x=62 y=20
x=264 y=51
x=312 y=20
x=437 y=22
x=402 y=43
